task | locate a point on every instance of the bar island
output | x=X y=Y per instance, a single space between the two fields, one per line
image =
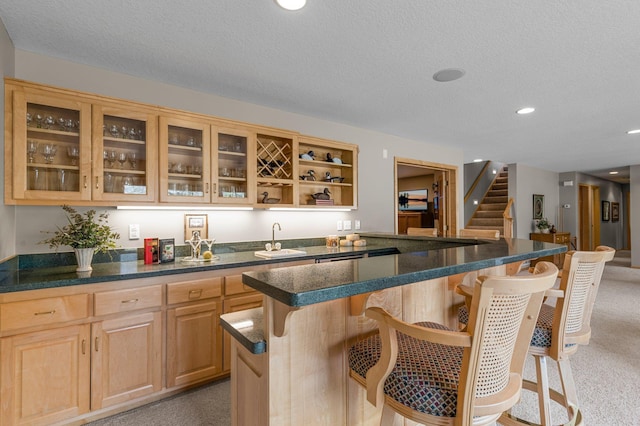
x=289 y=358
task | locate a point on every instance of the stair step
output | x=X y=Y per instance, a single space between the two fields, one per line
x=485 y=214
x=489 y=223
x=492 y=200
x=498 y=193
x=493 y=207
x=500 y=186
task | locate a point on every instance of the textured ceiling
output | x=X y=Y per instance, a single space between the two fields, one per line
x=370 y=64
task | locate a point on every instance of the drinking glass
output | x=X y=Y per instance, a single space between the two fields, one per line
x=29 y=119
x=32 y=149
x=48 y=122
x=38 y=179
x=112 y=157
x=133 y=133
x=62 y=124
x=62 y=180
x=108 y=182
x=114 y=131
x=39 y=119
x=133 y=159
x=126 y=181
x=122 y=158
x=123 y=132
x=49 y=152
x=73 y=153
x=69 y=124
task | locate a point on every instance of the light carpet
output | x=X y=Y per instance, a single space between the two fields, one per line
x=606 y=372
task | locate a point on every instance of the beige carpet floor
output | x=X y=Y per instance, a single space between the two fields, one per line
x=607 y=371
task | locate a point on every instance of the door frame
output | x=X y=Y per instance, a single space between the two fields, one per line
x=447 y=177
x=588 y=217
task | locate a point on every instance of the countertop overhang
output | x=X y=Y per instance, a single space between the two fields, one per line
x=309 y=284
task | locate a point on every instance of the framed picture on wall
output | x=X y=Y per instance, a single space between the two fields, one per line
x=195 y=223
x=538 y=206
x=605 y=211
x=615 y=212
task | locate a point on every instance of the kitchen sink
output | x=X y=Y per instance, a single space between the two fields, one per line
x=279 y=253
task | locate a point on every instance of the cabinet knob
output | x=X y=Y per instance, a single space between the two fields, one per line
x=206 y=188
x=97 y=182
x=85 y=181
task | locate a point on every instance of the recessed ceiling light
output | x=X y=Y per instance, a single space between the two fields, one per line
x=526 y=110
x=291 y=4
x=613 y=173
x=448 y=74
x=633 y=132
x=477 y=160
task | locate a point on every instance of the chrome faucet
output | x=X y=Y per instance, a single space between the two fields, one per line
x=273 y=235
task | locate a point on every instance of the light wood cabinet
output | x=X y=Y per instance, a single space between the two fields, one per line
x=556 y=238
x=276 y=172
x=126 y=361
x=327 y=167
x=85 y=149
x=125 y=153
x=45 y=376
x=194 y=334
x=51 y=151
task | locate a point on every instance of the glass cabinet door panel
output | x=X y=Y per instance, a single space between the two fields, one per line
x=233 y=176
x=125 y=154
x=52 y=147
x=185 y=148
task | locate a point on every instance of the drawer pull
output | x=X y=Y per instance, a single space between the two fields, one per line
x=45 y=313
x=129 y=301
x=195 y=294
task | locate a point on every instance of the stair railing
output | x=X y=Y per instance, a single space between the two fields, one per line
x=507 y=220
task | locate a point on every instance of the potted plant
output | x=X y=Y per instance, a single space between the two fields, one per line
x=543 y=225
x=85 y=234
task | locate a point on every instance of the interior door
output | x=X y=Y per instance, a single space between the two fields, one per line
x=589 y=217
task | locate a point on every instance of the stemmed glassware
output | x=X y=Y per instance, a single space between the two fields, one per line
x=32 y=149
x=29 y=119
x=114 y=131
x=49 y=152
x=133 y=159
x=48 y=122
x=111 y=157
x=73 y=153
x=122 y=158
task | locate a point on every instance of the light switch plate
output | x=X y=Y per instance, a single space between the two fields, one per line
x=356 y=224
x=134 y=231
x=347 y=225
x=339 y=225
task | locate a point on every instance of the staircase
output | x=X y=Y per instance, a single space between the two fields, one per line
x=489 y=212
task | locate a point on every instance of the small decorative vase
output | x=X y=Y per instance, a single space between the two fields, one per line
x=84 y=257
x=545 y=230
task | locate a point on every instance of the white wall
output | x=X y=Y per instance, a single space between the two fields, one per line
x=7 y=213
x=375 y=180
x=524 y=181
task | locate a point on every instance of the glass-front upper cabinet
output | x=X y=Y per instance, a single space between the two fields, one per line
x=185 y=160
x=51 y=155
x=234 y=177
x=125 y=154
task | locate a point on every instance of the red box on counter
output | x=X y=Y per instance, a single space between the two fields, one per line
x=151 y=254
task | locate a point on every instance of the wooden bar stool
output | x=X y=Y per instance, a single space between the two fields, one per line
x=437 y=376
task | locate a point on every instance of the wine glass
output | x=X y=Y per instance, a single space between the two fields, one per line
x=29 y=119
x=122 y=158
x=123 y=132
x=48 y=122
x=49 y=152
x=114 y=131
x=112 y=156
x=73 y=153
x=39 y=119
x=62 y=123
x=32 y=148
x=133 y=159
x=69 y=124
x=133 y=133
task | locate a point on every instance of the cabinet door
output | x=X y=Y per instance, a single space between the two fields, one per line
x=234 y=176
x=51 y=146
x=185 y=160
x=194 y=343
x=236 y=304
x=126 y=358
x=45 y=376
x=125 y=154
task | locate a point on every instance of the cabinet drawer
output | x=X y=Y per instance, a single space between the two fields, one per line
x=560 y=239
x=111 y=302
x=233 y=285
x=47 y=311
x=194 y=290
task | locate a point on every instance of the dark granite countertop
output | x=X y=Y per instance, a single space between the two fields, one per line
x=308 y=284
x=246 y=327
x=43 y=273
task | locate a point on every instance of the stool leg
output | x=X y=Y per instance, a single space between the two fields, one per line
x=568 y=385
x=544 y=400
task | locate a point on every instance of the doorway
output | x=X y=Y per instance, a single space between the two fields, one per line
x=439 y=180
x=588 y=217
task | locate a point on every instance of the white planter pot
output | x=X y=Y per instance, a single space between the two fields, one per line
x=545 y=230
x=84 y=257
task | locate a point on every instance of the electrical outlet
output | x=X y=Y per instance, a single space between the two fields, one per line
x=134 y=231
x=347 y=225
x=356 y=224
x=339 y=225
